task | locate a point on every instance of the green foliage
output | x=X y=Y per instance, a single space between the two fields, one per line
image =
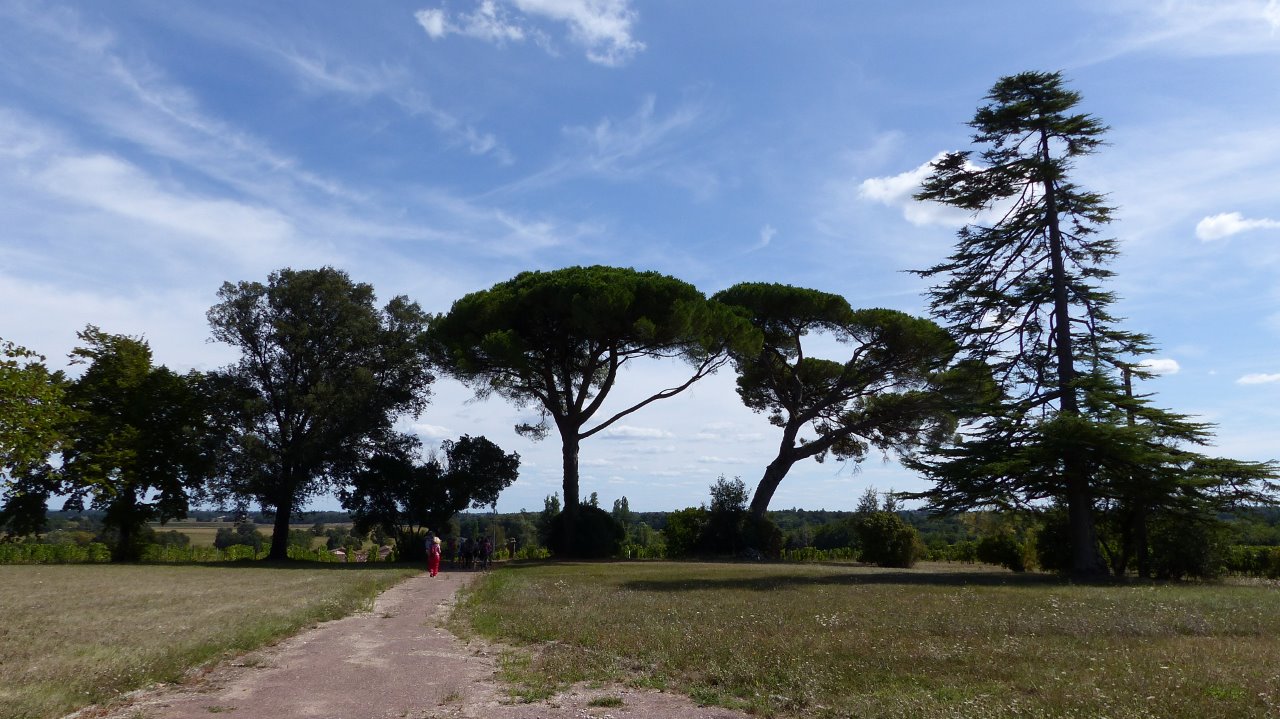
x=322 y=378
x=683 y=531
x=140 y=443
x=888 y=395
x=556 y=340
x=403 y=500
x=32 y=417
x=245 y=534
x=887 y=541
x=1189 y=546
x=589 y=533
x=1003 y=548
x=36 y=553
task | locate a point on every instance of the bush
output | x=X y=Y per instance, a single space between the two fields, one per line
x=763 y=535
x=1053 y=543
x=1003 y=548
x=684 y=531
x=245 y=534
x=588 y=533
x=1188 y=547
x=887 y=541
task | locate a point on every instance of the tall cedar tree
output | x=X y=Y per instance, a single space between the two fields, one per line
x=1023 y=294
x=557 y=340
x=889 y=394
x=321 y=380
x=139 y=441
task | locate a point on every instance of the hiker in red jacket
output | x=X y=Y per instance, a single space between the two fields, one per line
x=433 y=556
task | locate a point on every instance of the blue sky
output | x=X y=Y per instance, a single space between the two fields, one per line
x=150 y=151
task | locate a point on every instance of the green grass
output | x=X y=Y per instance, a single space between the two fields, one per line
x=841 y=641
x=72 y=635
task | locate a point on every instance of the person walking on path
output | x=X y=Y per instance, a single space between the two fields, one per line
x=433 y=556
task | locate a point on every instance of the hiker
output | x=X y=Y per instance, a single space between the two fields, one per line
x=486 y=552
x=433 y=556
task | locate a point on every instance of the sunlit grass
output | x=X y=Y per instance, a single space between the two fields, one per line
x=72 y=635
x=850 y=641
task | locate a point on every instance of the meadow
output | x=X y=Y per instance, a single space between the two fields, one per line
x=73 y=635
x=852 y=641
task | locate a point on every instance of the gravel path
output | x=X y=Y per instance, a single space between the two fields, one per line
x=394 y=661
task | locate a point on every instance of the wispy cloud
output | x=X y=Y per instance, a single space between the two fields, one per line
x=625 y=431
x=602 y=28
x=1196 y=28
x=1226 y=224
x=767 y=233
x=1259 y=379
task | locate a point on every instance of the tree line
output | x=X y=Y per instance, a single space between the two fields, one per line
x=1016 y=392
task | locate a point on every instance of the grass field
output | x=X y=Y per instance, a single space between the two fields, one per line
x=72 y=635
x=841 y=641
x=203 y=533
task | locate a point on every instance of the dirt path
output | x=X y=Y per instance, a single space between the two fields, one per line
x=394 y=661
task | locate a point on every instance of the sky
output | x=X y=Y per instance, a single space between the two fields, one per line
x=152 y=150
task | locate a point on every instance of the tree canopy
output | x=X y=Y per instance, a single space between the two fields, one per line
x=32 y=416
x=557 y=340
x=406 y=498
x=889 y=394
x=322 y=377
x=1022 y=292
x=139 y=444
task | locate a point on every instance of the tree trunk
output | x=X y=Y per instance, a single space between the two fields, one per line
x=569 y=455
x=280 y=531
x=1085 y=558
x=773 y=475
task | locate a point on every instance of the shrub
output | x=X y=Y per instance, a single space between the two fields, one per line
x=1003 y=548
x=762 y=534
x=683 y=531
x=887 y=541
x=1053 y=543
x=589 y=532
x=1184 y=546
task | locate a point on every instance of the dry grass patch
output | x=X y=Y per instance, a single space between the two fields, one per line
x=834 y=641
x=72 y=635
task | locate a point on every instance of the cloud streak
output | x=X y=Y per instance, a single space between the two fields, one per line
x=1226 y=224
x=602 y=28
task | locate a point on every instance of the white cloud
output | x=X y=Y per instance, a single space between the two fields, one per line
x=767 y=233
x=1161 y=366
x=1196 y=28
x=603 y=28
x=899 y=191
x=625 y=431
x=1226 y=224
x=1259 y=379
x=433 y=21
x=710 y=459
x=432 y=431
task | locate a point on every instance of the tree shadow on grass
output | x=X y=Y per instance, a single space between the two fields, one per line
x=846 y=579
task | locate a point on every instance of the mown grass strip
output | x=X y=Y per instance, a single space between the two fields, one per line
x=842 y=641
x=73 y=635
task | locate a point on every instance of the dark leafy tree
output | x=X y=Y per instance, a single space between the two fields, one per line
x=139 y=444
x=322 y=377
x=557 y=340
x=405 y=498
x=1023 y=293
x=32 y=418
x=893 y=392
